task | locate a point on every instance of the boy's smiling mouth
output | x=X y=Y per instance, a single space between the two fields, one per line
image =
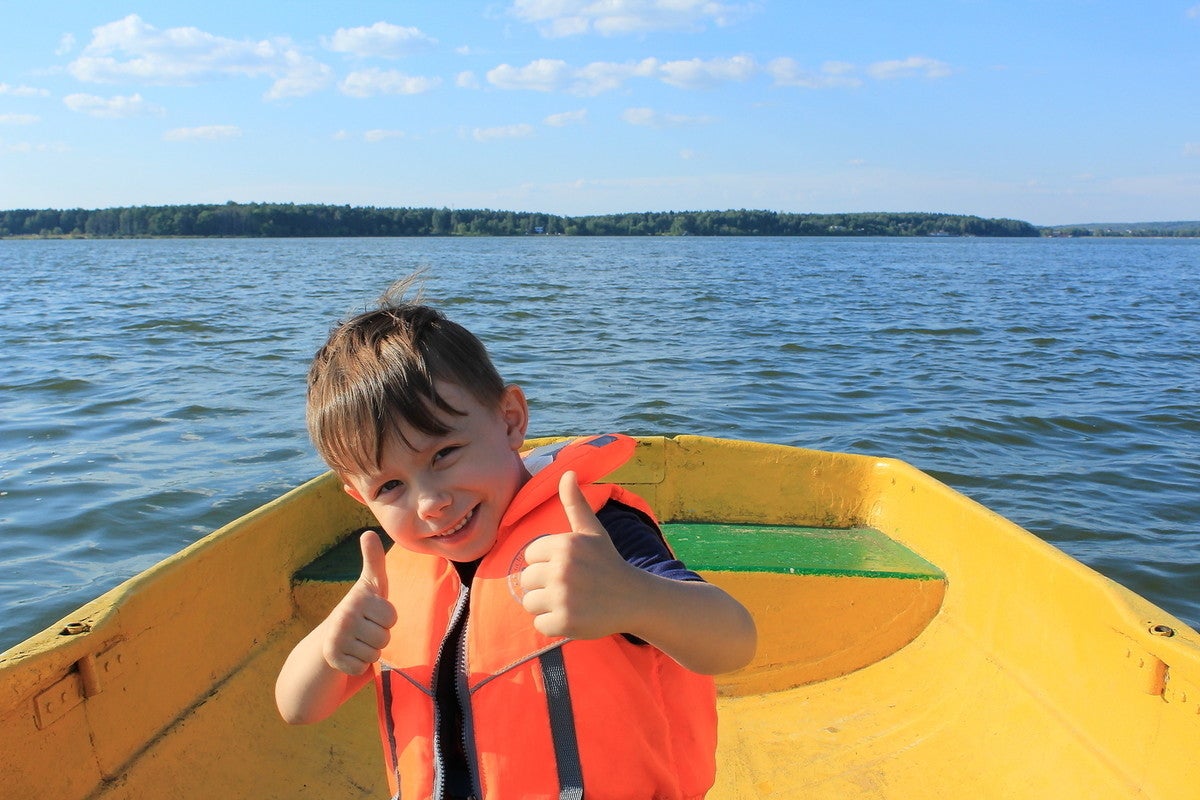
x=456 y=527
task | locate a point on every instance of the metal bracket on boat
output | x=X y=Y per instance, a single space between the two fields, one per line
x=85 y=679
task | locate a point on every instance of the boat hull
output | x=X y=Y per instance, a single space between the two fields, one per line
x=1001 y=668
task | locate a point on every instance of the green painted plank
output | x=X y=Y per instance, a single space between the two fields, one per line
x=342 y=562
x=796 y=550
x=731 y=548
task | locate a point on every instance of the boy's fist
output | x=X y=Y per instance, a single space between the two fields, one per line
x=573 y=584
x=360 y=626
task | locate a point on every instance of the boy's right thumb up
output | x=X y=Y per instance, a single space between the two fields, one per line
x=374 y=571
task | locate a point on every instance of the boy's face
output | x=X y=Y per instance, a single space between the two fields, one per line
x=446 y=497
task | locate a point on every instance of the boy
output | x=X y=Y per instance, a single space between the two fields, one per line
x=508 y=663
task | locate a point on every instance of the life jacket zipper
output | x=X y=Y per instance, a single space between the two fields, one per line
x=439 y=764
x=462 y=688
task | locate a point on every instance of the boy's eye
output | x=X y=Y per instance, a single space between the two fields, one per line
x=387 y=487
x=445 y=452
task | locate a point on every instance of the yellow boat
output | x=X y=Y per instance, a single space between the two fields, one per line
x=913 y=644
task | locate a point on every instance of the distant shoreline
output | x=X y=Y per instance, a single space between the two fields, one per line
x=286 y=220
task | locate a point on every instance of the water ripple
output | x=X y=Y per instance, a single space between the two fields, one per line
x=1054 y=381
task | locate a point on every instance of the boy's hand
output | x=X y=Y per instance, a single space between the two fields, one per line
x=359 y=627
x=576 y=584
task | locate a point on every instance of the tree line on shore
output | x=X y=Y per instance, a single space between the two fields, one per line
x=1126 y=229
x=290 y=220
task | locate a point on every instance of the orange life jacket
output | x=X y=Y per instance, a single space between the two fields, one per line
x=547 y=717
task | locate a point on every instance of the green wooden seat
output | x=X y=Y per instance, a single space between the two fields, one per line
x=863 y=552
x=709 y=547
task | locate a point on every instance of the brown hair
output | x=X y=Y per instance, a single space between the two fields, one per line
x=377 y=370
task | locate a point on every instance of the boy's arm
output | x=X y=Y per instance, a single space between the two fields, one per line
x=578 y=585
x=332 y=662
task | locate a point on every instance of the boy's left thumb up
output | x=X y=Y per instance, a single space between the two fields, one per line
x=579 y=513
x=374 y=571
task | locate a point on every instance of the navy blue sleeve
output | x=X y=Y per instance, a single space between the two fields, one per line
x=639 y=542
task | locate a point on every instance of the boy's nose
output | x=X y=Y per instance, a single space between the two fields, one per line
x=432 y=502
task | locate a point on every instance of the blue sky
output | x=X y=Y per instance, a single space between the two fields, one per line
x=1054 y=112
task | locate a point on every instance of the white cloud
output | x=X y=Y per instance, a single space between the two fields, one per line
x=550 y=75
x=554 y=75
x=558 y=18
x=22 y=91
x=111 y=107
x=832 y=75
x=65 y=44
x=520 y=131
x=913 y=66
x=381 y=40
x=132 y=50
x=542 y=75
x=380 y=135
x=302 y=77
x=700 y=74
x=26 y=148
x=549 y=24
x=1192 y=148
x=19 y=119
x=567 y=118
x=605 y=76
x=844 y=75
x=650 y=118
x=466 y=80
x=639 y=116
x=1194 y=12
x=371 y=82
x=209 y=133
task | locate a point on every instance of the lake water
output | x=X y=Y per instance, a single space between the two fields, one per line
x=153 y=390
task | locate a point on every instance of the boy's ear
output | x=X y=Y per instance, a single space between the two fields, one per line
x=350 y=490
x=515 y=412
